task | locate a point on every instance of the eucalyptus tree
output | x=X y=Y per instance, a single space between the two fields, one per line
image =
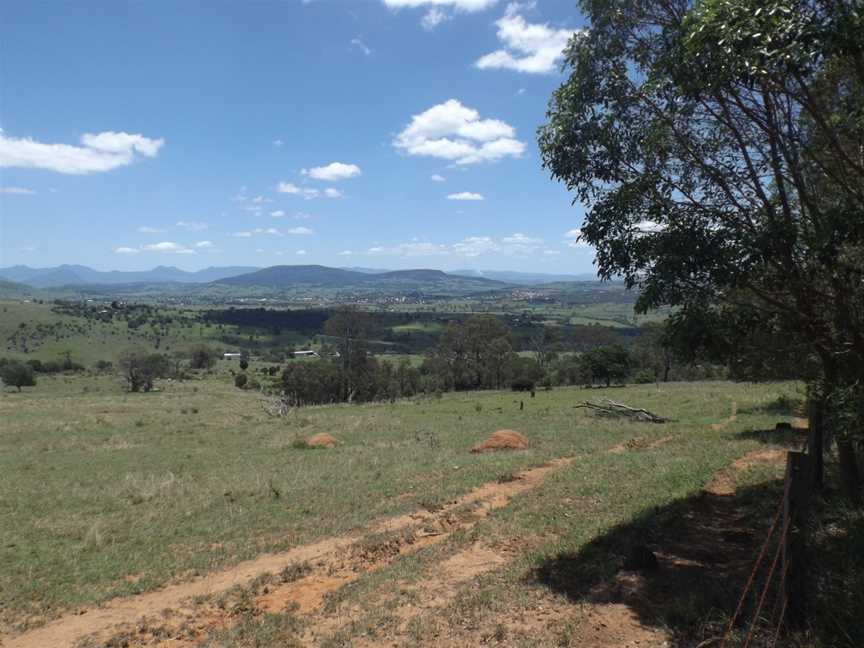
x=718 y=147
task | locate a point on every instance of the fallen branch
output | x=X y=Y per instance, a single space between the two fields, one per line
x=611 y=408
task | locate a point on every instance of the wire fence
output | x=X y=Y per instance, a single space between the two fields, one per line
x=781 y=579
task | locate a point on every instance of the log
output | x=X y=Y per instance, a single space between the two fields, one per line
x=609 y=407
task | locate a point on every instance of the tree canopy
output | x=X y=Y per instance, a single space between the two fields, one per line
x=718 y=147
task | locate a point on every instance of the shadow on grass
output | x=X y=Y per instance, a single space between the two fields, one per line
x=705 y=547
x=783 y=436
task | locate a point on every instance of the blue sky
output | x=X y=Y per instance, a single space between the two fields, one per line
x=377 y=133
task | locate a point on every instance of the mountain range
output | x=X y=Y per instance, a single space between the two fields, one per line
x=275 y=276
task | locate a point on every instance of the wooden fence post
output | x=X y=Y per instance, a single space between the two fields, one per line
x=798 y=474
x=815 y=440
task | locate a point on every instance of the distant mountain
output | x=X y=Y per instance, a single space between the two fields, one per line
x=78 y=275
x=284 y=277
x=525 y=278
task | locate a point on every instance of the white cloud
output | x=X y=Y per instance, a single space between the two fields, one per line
x=359 y=44
x=308 y=194
x=333 y=171
x=204 y=245
x=473 y=246
x=278 y=143
x=302 y=216
x=288 y=187
x=465 y=195
x=455 y=132
x=460 y=5
x=17 y=191
x=433 y=18
x=649 y=227
x=527 y=47
x=270 y=231
x=260 y=200
x=552 y=252
x=192 y=226
x=574 y=239
x=145 y=229
x=521 y=239
x=277 y=214
x=437 y=178
x=99 y=152
x=301 y=253
x=345 y=253
x=168 y=247
x=126 y=250
x=300 y=231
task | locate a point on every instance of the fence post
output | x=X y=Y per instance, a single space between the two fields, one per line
x=798 y=474
x=815 y=439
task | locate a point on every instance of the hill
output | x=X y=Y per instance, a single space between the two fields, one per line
x=285 y=277
x=78 y=275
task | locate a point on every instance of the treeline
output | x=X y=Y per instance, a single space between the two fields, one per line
x=474 y=354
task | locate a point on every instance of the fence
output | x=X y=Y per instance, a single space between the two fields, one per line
x=784 y=578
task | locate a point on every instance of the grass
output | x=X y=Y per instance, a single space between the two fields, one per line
x=104 y=494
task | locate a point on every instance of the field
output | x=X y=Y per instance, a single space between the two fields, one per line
x=105 y=494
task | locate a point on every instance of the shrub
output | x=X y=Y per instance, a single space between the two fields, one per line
x=17 y=374
x=643 y=377
x=240 y=381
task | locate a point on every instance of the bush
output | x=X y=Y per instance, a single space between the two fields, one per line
x=240 y=381
x=643 y=377
x=202 y=357
x=17 y=374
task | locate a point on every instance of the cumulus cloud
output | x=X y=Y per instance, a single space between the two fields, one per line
x=333 y=171
x=469 y=247
x=168 y=247
x=345 y=253
x=204 y=245
x=301 y=253
x=126 y=250
x=573 y=238
x=437 y=178
x=277 y=213
x=192 y=226
x=455 y=132
x=465 y=195
x=300 y=231
x=146 y=229
x=17 y=191
x=278 y=143
x=532 y=48
x=307 y=193
x=460 y=5
x=98 y=152
x=433 y=18
x=270 y=231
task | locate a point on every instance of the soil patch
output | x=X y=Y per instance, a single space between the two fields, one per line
x=502 y=440
x=322 y=440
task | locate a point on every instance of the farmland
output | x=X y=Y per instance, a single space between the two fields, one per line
x=107 y=494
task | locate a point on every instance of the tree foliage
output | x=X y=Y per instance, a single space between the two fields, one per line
x=719 y=149
x=16 y=374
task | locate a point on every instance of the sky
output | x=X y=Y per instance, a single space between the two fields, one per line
x=373 y=133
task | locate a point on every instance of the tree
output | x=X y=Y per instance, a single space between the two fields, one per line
x=140 y=369
x=202 y=356
x=17 y=374
x=240 y=381
x=718 y=149
x=244 y=364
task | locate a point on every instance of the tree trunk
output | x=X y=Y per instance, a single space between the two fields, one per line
x=849 y=474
